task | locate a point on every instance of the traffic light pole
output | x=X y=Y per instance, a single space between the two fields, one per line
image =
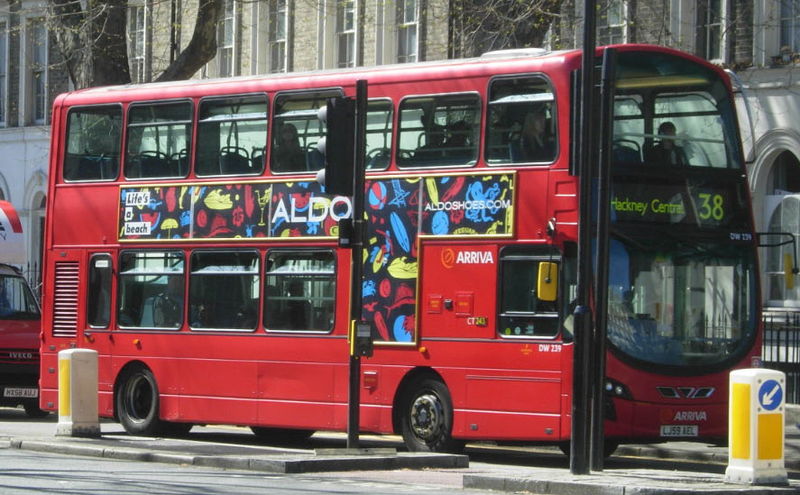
x=582 y=365
x=357 y=265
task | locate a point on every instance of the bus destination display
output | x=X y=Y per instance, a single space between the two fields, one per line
x=700 y=205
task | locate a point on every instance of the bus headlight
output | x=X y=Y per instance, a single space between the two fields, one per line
x=613 y=388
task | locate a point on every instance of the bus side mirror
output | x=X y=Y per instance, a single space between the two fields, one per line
x=547 y=281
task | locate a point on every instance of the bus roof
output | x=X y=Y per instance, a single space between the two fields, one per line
x=491 y=63
x=441 y=69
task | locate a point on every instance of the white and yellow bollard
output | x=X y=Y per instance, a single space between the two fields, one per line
x=755 y=427
x=77 y=393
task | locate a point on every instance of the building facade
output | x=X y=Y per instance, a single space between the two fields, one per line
x=758 y=40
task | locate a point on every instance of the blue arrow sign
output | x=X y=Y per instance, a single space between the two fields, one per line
x=770 y=395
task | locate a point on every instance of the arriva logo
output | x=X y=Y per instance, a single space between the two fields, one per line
x=451 y=258
x=690 y=416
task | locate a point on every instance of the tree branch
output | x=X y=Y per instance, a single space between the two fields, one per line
x=201 y=48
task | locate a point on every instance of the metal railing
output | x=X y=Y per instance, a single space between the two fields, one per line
x=781 y=349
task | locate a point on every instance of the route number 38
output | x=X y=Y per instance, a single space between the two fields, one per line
x=711 y=206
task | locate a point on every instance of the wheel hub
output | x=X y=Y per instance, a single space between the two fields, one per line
x=427 y=414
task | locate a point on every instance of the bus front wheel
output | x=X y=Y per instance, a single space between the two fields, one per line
x=137 y=403
x=427 y=418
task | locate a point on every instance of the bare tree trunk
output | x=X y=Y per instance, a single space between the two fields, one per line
x=110 y=55
x=203 y=45
x=72 y=39
x=93 y=41
x=486 y=25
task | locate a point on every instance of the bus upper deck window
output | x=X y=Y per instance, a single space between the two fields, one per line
x=521 y=121
x=296 y=130
x=439 y=130
x=232 y=136
x=159 y=139
x=379 y=134
x=93 y=143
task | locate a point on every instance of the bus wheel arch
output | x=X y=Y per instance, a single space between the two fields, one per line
x=136 y=400
x=423 y=413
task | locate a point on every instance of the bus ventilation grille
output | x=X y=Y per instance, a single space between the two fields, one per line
x=65 y=303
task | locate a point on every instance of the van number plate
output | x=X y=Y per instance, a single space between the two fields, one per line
x=24 y=392
x=679 y=430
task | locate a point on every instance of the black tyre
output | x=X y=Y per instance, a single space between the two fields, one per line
x=137 y=403
x=281 y=435
x=32 y=410
x=426 y=420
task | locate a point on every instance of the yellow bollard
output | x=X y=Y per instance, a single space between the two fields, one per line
x=77 y=393
x=755 y=428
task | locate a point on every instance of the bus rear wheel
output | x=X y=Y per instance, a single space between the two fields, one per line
x=137 y=403
x=426 y=420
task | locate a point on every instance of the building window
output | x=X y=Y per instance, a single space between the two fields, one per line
x=345 y=33
x=278 y=29
x=37 y=71
x=782 y=210
x=137 y=42
x=711 y=17
x=790 y=25
x=226 y=40
x=407 y=29
x=611 y=23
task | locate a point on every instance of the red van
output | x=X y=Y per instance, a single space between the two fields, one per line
x=20 y=324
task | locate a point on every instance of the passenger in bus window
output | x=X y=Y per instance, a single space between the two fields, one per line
x=432 y=149
x=533 y=143
x=168 y=305
x=288 y=156
x=297 y=307
x=666 y=152
x=458 y=146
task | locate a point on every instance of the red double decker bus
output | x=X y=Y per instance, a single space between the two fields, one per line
x=190 y=245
